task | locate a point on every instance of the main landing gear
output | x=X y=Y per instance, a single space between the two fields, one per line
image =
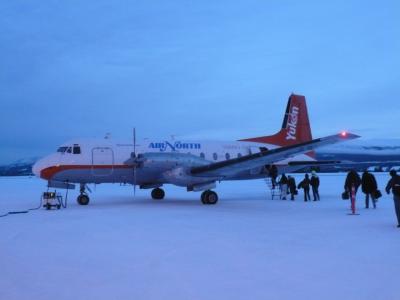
x=83 y=198
x=209 y=197
x=157 y=194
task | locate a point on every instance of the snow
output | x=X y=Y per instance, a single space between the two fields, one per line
x=245 y=247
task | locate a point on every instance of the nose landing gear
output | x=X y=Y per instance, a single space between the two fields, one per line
x=83 y=198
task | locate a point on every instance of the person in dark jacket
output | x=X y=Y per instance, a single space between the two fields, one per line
x=283 y=183
x=369 y=188
x=394 y=186
x=305 y=185
x=314 y=181
x=292 y=187
x=274 y=174
x=352 y=179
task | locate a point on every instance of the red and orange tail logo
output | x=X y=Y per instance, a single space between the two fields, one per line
x=295 y=128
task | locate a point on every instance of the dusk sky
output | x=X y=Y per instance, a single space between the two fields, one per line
x=193 y=69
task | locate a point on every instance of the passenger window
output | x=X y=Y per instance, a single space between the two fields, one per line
x=227 y=156
x=215 y=156
x=76 y=150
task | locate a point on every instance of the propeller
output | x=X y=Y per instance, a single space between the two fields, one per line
x=134 y=163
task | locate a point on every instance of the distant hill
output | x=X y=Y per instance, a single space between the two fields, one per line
x=22 y=167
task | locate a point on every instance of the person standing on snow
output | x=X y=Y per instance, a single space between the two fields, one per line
x=305 y=185
x=292 y=187
x=314 y=181
x=352 y=179
x=283 y=183
x=369 y=188
x=394 y=185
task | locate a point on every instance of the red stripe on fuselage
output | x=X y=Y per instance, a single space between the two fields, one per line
x=49 y=172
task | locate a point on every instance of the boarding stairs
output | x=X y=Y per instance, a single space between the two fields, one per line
x=275 y=190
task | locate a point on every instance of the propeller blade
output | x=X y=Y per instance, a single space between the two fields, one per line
x=134 y=180
x=134 y=163
x=134 y=141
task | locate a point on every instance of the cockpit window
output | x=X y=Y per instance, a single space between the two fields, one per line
x=62 y=149
x=76 y=149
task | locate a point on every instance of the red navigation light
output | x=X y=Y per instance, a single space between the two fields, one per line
x=343 y=133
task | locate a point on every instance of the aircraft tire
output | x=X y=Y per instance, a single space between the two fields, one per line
x=203 y=197
x=83 y=199
x=157 y=194
x=209 y=197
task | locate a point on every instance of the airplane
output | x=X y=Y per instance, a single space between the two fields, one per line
x=370 y=154
x=195 y=165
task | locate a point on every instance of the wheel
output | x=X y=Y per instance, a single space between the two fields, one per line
x=212 y=197
x=83 y=199
x=209 y=197
x=157 y=194
x=48 y=206
x=203 y=197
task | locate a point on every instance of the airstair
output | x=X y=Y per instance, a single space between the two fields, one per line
x=275 y=190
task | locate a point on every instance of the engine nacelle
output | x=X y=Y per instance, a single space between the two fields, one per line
x=174 y=168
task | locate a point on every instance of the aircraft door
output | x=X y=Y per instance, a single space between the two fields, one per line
x=253 y=149
x=102 y=161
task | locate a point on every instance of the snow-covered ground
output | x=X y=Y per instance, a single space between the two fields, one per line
x=245 y=247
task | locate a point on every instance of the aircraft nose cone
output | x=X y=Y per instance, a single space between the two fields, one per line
x=38 y=167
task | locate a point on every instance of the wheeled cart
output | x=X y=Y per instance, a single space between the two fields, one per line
x=51 y=200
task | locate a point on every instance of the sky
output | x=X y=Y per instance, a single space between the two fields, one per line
x=193 y=69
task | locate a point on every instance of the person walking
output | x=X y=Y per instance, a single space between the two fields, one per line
x=283 y=183
x=394 y=186
x=292 y=187
x=352 y=179
x=273 y=173
x=314 y=181
x=305 y=185
x=369 y=188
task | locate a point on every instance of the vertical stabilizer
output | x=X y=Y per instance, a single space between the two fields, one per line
x=295 y=127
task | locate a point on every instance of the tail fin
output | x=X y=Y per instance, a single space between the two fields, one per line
x=295 y=128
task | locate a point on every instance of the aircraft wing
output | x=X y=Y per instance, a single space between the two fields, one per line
x=232 y=166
